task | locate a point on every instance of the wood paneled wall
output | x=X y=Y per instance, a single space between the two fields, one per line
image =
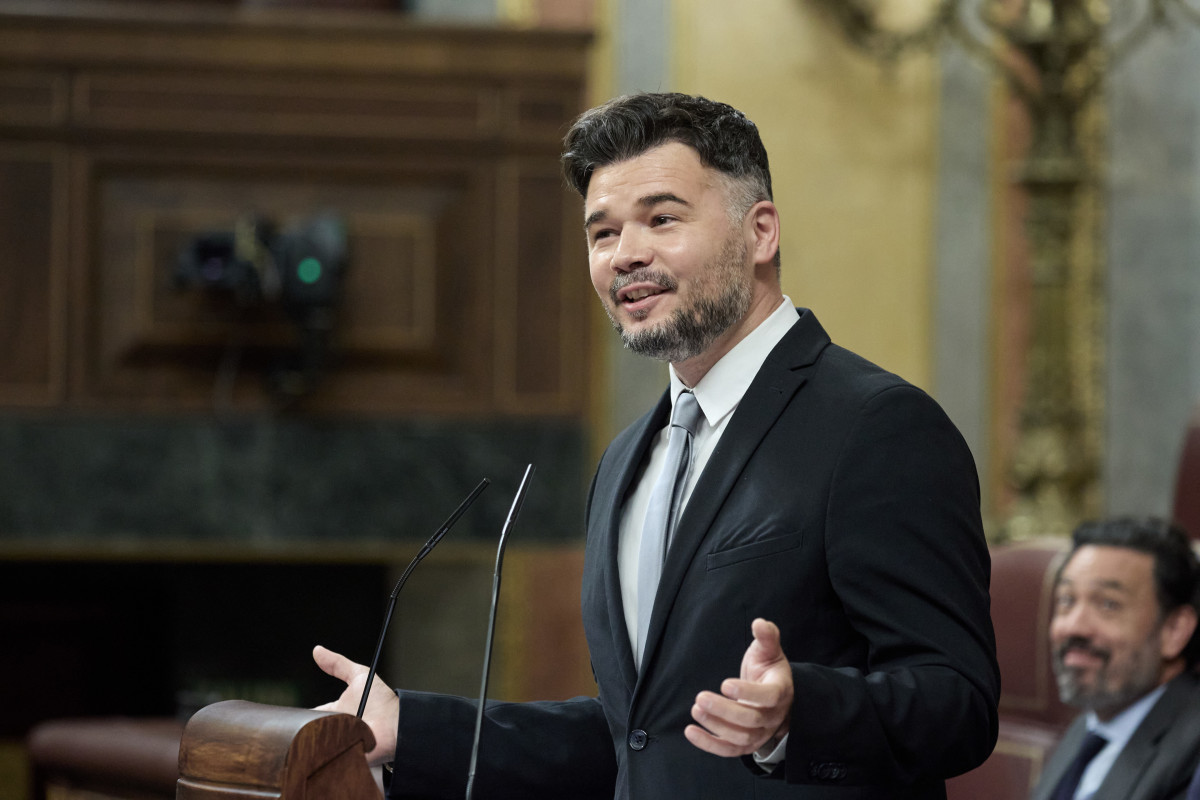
x=124 y=133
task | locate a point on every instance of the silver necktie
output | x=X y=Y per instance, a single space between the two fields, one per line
x=663 y=510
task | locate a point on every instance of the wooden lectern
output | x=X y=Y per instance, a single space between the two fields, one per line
x=237 y=750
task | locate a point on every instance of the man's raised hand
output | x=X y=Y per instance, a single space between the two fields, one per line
x=382 y=713
x=753 y=710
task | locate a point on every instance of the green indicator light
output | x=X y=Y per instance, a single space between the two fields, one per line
x=309 y=270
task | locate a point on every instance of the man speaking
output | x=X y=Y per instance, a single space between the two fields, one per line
x=785 y=590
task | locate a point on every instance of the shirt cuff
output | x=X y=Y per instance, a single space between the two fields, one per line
x=768 y=760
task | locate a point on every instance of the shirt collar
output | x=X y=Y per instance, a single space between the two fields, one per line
x=723 y=386
x=1120 y=728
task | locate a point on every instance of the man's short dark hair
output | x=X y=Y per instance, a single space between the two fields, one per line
x=1176 y=572
x=625 y=127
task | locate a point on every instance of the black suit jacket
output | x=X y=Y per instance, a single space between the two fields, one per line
x=841 y=504
x=1156 y=763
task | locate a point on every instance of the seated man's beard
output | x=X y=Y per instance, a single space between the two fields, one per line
x=1106 y=693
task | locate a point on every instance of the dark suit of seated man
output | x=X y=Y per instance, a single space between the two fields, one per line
x=1193 y=792
x=1123 y=645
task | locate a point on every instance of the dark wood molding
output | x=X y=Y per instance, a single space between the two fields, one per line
x=129 y=129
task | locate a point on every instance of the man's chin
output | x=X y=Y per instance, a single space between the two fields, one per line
x=1074 y=690
x=640 y=323
x=647 y=348
x=1075 y=699
x=628 y=324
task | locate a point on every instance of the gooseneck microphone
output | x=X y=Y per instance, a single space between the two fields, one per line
x=491 y=629
x=429 y=545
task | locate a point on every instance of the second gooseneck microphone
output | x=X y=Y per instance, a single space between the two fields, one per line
x=429 y=545
x=491 y=630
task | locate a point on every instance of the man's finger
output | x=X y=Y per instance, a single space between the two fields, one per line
x=744 y=727
x=751 y=693
x=743 y=738
x=336 y=664
x=733 y=712
x=709 y=743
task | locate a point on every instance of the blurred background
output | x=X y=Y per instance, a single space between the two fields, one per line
x=281 y=281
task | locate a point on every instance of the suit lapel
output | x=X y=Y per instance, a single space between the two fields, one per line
x=780 y=377
x=627 y=454
x=1060 y=760
x=1125 y=776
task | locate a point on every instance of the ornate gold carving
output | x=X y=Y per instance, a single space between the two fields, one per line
x=1054 y=55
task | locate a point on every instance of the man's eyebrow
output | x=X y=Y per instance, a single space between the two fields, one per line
x=594 y=217
x=649 y=201
x=1105 y=584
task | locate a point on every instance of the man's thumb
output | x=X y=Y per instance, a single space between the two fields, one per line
x=334 y=664
x=766 y=634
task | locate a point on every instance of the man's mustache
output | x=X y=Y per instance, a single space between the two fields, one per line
x=640 y=275
x=1083 y=645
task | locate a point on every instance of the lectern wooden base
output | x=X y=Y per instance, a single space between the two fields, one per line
x=236 y=749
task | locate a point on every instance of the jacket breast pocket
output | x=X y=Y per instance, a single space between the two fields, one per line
x=759 y=549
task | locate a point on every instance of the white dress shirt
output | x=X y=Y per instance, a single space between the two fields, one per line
x=718 y=394
x=1117 y=731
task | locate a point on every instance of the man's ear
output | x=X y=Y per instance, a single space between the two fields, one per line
x=762 y=228
x=1177 y=631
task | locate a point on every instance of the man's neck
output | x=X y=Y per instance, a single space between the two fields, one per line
x=693 y=370
x=1170 y=672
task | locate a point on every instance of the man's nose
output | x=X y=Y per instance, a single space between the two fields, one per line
x=1076 y=621
x=633 y=249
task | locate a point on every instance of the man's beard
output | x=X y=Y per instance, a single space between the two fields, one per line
x=721 y=297
x=1145 y=670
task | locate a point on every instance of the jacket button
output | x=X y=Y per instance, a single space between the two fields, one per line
x=638 y=739
x=827 y=771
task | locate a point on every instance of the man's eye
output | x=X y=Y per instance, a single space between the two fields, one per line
x=663 y=219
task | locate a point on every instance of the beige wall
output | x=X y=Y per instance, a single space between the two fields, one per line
x=857 y=206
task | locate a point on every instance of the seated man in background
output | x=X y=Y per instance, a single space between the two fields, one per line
x=1123 y=647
